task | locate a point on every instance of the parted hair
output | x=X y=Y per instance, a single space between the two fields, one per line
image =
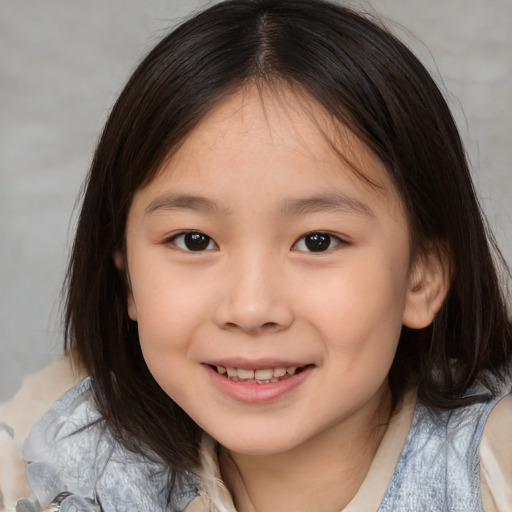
x=367 y=81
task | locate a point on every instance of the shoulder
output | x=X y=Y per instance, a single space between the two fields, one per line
x=440 y=462
x=496 y=458
x=71 y=454
x=17 y=415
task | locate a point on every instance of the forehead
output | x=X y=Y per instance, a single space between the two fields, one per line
x=273 y=136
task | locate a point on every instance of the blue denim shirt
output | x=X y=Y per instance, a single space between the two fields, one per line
x=85 y=469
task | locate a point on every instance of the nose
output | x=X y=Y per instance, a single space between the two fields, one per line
x=253 y=296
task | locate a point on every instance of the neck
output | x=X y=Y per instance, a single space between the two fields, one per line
x=332 y=465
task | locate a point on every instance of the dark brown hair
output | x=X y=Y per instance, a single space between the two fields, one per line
x=366 y=80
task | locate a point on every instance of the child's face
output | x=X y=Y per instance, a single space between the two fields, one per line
x=257 y=248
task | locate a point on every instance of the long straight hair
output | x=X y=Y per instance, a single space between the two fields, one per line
x=366 y=80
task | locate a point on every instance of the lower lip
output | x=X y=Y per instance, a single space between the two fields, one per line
x=257 y=393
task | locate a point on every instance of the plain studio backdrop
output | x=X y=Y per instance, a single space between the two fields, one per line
x=62 y=65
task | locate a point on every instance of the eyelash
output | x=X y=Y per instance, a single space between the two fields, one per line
x=203 y=241
x=196 y=241
x=318 y=240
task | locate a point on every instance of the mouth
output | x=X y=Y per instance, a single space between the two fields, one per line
x=259 y=376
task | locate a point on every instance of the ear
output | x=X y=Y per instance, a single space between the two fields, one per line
x=120 y=264
x=429 y=282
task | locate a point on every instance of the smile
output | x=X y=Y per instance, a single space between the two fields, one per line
x=264 y=382
x=260 y=376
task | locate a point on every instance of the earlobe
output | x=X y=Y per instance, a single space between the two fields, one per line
x=429 y=283
x=120 y=264
x=118 y=258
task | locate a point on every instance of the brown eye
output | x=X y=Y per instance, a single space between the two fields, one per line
x=194 y=241
x=317 y=241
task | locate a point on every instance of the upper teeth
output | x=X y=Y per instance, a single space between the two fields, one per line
x=264 y=374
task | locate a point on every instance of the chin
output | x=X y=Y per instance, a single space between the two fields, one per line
x=258 y=444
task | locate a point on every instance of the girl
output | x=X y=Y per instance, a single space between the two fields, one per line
x=281 y=286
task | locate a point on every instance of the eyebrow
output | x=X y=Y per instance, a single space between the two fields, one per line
x=300 y=206
x=183 y=202
x=326 y=202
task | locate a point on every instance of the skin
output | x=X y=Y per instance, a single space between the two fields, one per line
x=256 y=176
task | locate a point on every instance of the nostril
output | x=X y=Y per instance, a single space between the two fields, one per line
x=267 y=326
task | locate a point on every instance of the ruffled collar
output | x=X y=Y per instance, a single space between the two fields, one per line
x=75 y=464
x=73 y=459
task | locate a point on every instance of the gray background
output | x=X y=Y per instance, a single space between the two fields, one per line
x=62 y=63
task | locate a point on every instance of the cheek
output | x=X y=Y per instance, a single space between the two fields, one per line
x=167 y=319
x=367 y=301
x=167 y=324
x=359 y=315
x=169 y=309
